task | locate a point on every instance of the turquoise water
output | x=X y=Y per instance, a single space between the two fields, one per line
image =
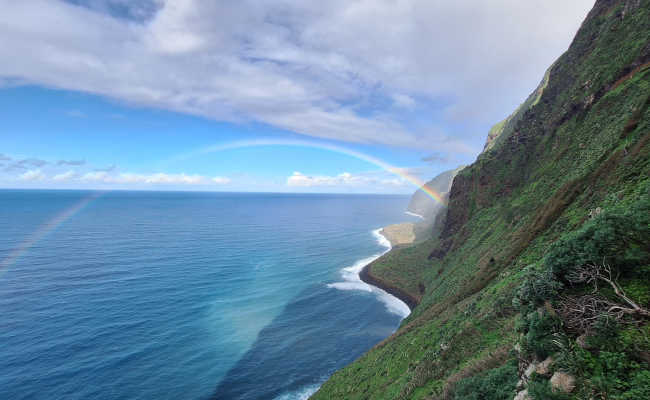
x=139 y=295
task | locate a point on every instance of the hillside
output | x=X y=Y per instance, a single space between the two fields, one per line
x=539 y=278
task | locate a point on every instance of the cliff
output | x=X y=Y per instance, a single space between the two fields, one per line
x=538 y=284
x=422 y=204
x=433 y=212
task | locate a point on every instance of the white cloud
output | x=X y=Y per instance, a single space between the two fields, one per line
x=345 y=179
x=327 y=69
x=97 y=176
x=32 y=175
x=65 y=176
x=220 y=180
x=403 y=101
x=159 y=178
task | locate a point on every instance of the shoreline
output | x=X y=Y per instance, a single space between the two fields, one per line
x=402 y=234
x=365 y=275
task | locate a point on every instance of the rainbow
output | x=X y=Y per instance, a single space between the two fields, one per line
x=400 y=172
x=45 y=229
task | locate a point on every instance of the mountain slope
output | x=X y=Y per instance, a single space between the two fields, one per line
x=565 y=185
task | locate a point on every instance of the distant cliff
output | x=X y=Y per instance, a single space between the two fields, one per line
x=422 y=204
x=538 y=285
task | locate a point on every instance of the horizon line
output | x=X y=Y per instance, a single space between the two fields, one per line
x=197 y=191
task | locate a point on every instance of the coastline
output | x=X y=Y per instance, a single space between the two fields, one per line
x=402 y=234
x=352 y=280
x=365 y=275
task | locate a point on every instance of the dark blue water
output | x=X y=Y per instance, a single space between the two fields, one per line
x=140 y=295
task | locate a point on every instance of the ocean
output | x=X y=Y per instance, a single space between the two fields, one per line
x=169 y=295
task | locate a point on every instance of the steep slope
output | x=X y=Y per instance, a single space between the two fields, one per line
x=565 y=186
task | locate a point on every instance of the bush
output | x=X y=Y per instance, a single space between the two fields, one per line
x=537 y=287
x=618 y=237
x=540 y=389
x=539 y=338
x=639 y=387
x=495 y=384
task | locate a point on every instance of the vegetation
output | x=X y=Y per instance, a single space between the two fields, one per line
x=544 y=249
x=495 y=384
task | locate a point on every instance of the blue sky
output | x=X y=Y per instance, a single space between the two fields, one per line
x=116 y=94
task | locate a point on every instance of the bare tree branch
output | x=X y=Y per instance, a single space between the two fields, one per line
x=593 y=273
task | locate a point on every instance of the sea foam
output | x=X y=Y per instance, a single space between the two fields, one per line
x=302 y=394
x=352 y=280
x=413 y=214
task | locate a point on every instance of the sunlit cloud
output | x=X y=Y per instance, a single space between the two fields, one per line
x=64 y=177
x=32 y=175
x=345 y=179
x=343 y=70
x=220 y=180
x=159 y=178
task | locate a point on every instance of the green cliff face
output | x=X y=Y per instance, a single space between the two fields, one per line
x=562 y=192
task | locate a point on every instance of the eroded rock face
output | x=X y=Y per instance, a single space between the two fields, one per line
x=531 y=368
x=523 y=395
x=561 y=381
x=543 y=368
x=630 y=6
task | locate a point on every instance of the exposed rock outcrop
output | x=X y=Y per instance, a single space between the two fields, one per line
x=561 y=381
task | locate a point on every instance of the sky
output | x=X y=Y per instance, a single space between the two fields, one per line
x=340 y=96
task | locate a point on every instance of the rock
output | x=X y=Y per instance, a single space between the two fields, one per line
x=593 y=213
x=523 y=395
x=518 y=348
x=543 y=368
x=531 y=368
x=630 y=7
x=520 y=384
x=563 y=382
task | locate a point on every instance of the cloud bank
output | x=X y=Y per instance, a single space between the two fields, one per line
x=345 y=179
x=351 y=70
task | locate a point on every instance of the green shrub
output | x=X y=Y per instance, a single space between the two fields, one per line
x=540 y=389
x=540 y=335
x=495 y=384
x=610 y=374
x=537 y=287
x=639 y=387
x=618 y=237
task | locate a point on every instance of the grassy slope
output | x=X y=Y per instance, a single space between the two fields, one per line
x=582 y=144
